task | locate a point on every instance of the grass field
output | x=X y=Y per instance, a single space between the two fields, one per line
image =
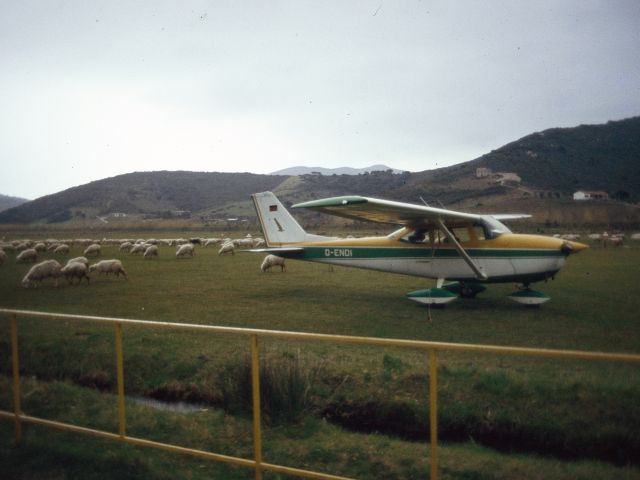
x=356 y=411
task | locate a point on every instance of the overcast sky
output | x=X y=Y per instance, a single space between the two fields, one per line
x=93 y=89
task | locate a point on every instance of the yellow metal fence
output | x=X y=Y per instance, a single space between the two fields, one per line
x=257 y=463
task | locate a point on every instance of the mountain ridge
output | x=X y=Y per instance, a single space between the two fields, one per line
x=537 y=173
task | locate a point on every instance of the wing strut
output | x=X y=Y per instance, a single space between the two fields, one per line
x=480 y=275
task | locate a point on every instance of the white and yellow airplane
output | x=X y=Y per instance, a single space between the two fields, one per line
x=468 y=249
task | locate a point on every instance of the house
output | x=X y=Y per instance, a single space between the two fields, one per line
x=482 y=172
x=590 y=195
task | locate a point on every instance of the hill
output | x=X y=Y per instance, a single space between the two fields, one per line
x=536 y=174
x=7 y=202
x=162 y=194
x=592 y=157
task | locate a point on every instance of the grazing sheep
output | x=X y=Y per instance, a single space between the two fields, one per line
x=138 y=248
x=41 y=271
x=243 y=242
x=635 y=236
x=93 y=249
x=211 y=241
x=616 y=240
x=79 y=260
x=27 y=256
x=125 y=246
x=151 y=251
x=272 y=261
x=40 y=247
x=62 y=248
x=227 y=247
x=108 y=267
x=184 y=250
x=77 y=270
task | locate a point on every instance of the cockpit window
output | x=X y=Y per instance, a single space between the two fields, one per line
x=416 y=236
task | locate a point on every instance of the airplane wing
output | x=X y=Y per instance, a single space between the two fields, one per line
x=384 y=211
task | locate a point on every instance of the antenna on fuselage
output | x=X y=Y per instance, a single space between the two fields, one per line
x=423 y=201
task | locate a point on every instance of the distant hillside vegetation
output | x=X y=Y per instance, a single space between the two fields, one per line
x=156 y=193
x=592 y=157
x=7 y=201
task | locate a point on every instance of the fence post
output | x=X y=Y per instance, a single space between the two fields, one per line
x=120 y=375
x=255 y=389
x=16 y=378
x=433 y=410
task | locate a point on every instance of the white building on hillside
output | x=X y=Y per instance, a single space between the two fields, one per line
x=590 y=195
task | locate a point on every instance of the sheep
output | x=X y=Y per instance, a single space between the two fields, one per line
x=272 y=261
x=137 y=248
x=184 y=250
x=635 y=236
x=93 y=249
x=211 y=241
x=258 y=242
x=108 y=267
x=125 y=246
x=41 y=271
x=243 y=242
x=77 y=270
x=22 y=246
x=40 y=247
x=227 y=247
x=151 y=251
x=62 y=248
x=26 y=256
x=79 y=260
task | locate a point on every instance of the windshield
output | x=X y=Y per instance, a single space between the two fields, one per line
x=494 y=228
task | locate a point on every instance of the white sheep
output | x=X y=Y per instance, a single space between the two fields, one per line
x=137 y=248
x=27 y=256
x=109 y=266
x=41 y=271
x=93 y=249
x=79 y=260
x=77 y=270
x=151 y=251
x=40 y=247
x=227 y=247
x=211 y=241
x=62 y=248
x=184 y=250
x=125 y=246
x=243 y=242
x=272 y=261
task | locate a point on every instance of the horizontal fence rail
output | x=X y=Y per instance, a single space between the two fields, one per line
x=253 y=335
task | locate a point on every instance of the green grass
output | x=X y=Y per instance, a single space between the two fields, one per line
x=579 y=406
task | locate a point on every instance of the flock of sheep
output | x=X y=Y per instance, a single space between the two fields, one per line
x=77 y=269
x=615 y=239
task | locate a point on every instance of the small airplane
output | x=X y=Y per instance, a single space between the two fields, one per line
x=468 y=249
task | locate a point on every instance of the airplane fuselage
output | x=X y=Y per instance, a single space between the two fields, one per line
x=508 y=258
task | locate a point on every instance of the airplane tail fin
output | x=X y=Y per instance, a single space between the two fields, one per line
x=278 y=226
